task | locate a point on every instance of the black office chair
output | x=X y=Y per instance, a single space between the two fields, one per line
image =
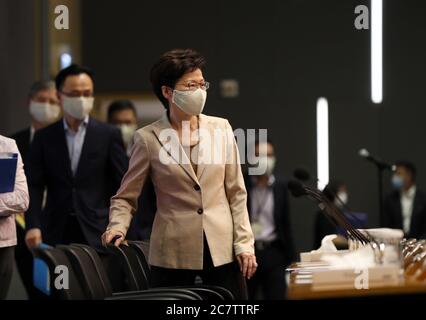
x=54 y=257
x=135 y=260
x=142 y=250
x=86 y=273
x=135 y=264
x=91 y=265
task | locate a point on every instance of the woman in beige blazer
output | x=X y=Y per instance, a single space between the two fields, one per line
x=201 y=225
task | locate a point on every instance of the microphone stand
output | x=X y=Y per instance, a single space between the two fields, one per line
x=381 y=167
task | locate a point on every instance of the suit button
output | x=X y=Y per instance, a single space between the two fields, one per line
x=200 y=211
x=197 y=187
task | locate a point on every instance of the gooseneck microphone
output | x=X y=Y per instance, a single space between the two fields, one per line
x=298 y=189
x=364 y=153
x=301 y=174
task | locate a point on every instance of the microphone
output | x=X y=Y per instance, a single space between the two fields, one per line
x=298 y=189
x=364 y=153
x=301 y=174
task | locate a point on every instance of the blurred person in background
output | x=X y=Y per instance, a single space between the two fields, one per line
x=405 y=206
x=337 y=192
x=123 y=115
x=269 y=211
x=44 y=109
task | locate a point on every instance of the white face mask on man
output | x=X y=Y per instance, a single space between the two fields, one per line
x=267 y=163
x=342 y=200
x=44 y=112
x=77 y=107
x=127 y=132
x=190 y=102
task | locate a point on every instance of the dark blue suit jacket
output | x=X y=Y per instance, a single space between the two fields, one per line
x=393 y=214
x=86 y=195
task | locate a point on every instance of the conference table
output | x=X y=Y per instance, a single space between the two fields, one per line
x=302 y=291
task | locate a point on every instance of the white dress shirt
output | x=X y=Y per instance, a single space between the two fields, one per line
x=75 y=141
x=32 y=133
x=262 y=211
x=407 y=205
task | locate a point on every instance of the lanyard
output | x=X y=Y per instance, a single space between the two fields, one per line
x=260 y=196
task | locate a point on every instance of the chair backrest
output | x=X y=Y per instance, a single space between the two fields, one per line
x=86 y=272
x=142 y=250
x=130 y=283
x=54 y=258
x=99 y=266
x=225 y=293
x=136 y=266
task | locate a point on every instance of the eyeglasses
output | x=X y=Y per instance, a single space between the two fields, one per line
x=192 y=85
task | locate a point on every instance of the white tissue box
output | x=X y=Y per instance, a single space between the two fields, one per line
x=373 y=277
x=315 y=255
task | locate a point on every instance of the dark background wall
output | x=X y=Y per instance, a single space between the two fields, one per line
x=284 y=53
x=17 y=62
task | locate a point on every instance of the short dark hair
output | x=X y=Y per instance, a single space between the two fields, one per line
x=409 y=166
x=38 y=86
x=120 y=105
x=171 y=67
x=259 y=141
x=72 y=70
x=331 y=189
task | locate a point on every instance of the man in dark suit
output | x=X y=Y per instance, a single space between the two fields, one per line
x=405 y=207
x=122 y=114
x=268 y=206
x=80 y=162
x=43 y=105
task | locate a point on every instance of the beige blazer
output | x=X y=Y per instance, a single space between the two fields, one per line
x=212 y=200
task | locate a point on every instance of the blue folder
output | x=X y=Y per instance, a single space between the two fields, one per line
x=357 y=219
x=8 y=162
x=41 y=275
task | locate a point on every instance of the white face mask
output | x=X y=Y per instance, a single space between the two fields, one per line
x=127 y=132
x=267 y=164
x=44 y=112
x=190 y=102
x=343 y=196
x=77 y=107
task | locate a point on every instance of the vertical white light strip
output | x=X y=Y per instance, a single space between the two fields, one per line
x=322 y=143
x=376 y=51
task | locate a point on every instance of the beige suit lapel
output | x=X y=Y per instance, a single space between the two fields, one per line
x=164 y=124
x=204 y=125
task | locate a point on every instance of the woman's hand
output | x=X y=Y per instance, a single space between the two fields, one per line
x=109 y=235
x=248 y=264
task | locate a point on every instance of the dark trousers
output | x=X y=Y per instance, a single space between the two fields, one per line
x=24 y=262
x=269 y=280
x=6 y=270
x=227 y=276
